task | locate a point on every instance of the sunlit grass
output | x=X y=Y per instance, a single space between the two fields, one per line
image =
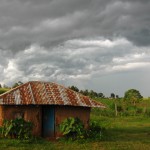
x=3 y=90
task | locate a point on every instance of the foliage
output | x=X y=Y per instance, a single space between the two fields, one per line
x=3 y=90
x=112 y=95
x=86 y=92
x=17 y=84
x=72 y=128
x=123 y=108
x=132 y=96
x=74 y=88
x=17 y=128
x=101 y=95
x=95 y=131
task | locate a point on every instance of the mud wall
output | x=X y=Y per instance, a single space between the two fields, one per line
x=63 y=112
x=29 y=113
x=1 y=115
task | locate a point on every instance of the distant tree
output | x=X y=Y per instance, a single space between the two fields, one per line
x=20 y=83
x=86 y=92
x=132 y=96
x=117 y=96
x=0 y=86
x=91 y=93
x=101 y=95
x=81 y=91
x=74 y=88
x=17 y=84
x=95 y=94
x=112 y=95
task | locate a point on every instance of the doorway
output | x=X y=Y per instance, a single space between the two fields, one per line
x=48 y=123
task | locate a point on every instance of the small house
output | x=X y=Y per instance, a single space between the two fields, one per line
x=46 y=105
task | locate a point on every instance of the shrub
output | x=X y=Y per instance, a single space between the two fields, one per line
x=17 y=128
x=72 y=128
x=95 y=131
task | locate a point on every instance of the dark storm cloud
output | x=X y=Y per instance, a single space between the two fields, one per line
x=25 y=22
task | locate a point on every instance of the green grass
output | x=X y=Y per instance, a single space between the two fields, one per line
x=12 y=144
x=3 y=90
x=122 y=133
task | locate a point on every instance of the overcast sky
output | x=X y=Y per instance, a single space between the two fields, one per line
x=102 y=45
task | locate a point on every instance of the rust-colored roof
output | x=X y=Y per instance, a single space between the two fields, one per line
x=46 y=93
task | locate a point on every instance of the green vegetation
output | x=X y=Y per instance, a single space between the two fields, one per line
x=122 y=132
x=132 y=96
x=17 y=84
x=6 y=88
x=72 y=128
x=17 y=128
x=3 y=90
x=15 y=144
x=86 y=92
x=123 y=108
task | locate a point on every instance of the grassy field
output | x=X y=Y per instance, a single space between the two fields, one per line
x=121 y=133
x=3 y=90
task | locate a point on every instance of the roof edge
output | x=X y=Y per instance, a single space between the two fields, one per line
x=94 y=103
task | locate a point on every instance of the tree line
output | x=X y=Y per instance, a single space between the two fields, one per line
x=131 y=96
x=92 y=93
x=13 y=86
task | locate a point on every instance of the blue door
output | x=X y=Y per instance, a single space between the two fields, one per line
x=48 y=121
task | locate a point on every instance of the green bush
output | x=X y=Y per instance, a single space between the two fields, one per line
x=72 y=128
x=17 y=128
x=95 y=131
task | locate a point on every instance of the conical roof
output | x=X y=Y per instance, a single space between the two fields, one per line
x=46 y=93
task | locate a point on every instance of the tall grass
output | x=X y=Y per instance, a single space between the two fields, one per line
x=123 y=109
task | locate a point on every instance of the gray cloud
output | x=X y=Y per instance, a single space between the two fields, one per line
x=76 y=61
x=53 y=22
x=73 y=41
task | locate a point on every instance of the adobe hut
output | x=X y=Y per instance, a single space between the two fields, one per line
x=46 y=105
